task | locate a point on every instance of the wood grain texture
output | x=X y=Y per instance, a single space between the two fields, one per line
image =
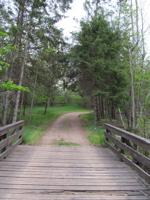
x=143 y=142
x=10 y=137
x=131 y=148
x=68 y=173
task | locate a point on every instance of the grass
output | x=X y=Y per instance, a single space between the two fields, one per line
x=96 y=133
x=62 y=142
x=36 y=124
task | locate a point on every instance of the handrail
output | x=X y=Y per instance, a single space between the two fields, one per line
x=10 y=136
x=9 y=126
x=145 y=143
x=131 y=148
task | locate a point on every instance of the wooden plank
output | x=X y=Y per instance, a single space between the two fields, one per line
x=10 y=139
x=9 y=149
x=141 y=172
x=99 y=193
x=74 y=187
x=86 y=196
x=4 y=129
x=100 y=177
x=65 y=165
x=29 y=174
x=139 y=162
x=3 y=143
x=145 y=143
x=76 y=150
x=138 y=156
x=68 y=181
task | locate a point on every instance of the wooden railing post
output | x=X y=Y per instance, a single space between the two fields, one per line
x=106 y=135
x=10 y=136
x=131 y=148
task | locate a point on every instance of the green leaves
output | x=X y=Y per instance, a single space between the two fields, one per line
x=3 y=52
x=7 y=49
x=50 y=50
x=43 y=98
x=3 y=66
x=8 y=85
x=11 y=86
x=3 y=34
x=98 y=59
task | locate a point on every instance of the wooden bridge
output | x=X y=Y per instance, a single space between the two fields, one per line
x=74 y=173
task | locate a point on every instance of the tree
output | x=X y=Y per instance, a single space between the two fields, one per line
x=99 y=60
x=7 y=86
x=27 y=22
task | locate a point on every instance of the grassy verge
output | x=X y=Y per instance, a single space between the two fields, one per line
x=36 y=124
x=96 y=133
x=62 y=142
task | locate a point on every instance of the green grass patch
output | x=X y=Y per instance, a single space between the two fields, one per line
x=96 y=133
x=62 y=142
x=36 y=124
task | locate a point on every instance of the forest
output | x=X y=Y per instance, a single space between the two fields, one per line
x=106 y=68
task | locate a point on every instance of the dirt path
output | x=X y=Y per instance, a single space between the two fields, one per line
x=67 y=128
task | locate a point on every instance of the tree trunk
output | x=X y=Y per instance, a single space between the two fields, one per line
x=142 y=100
x=22 y=58
x=137 y=20
x=46 y=106
x=133 y=108
x=20 y=84
x=33 y=93
x=121 y=118
x=6 y=105
x=24 y=108
x=21 y=106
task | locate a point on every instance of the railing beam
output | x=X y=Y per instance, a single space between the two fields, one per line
x=131 y=148
x=10 y=136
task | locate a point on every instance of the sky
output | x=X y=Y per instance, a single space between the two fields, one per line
x=73 y=16
x=71 y=23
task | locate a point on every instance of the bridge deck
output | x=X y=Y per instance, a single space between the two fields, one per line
x=68 y=173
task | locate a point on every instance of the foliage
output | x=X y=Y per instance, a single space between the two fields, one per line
x=2 y=33
x=31 y=53
x=4 y=50
x=8 y=85
x=96 y=133
x=106 y=65
x=68 y=98
x=37 y=124
x=98 y=57
x=3 y=66
x=62 y=142
x=11 y=86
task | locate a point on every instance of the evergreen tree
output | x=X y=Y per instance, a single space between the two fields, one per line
x=99 y=59
x=31 y=29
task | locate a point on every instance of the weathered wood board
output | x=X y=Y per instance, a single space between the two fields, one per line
x=68 y=173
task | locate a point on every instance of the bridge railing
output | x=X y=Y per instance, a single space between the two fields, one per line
x=131 y=148
x=10 y=136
